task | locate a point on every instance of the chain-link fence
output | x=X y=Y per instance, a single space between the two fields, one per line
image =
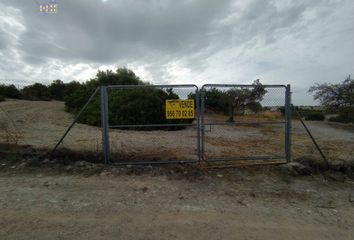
x=137 y=128
x=229 y=122
x=245 y=122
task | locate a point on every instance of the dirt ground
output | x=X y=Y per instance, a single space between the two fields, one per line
x=40 y=124
x=47 y=199
x=257 y=203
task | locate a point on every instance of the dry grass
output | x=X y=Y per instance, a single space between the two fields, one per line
x=43 y=123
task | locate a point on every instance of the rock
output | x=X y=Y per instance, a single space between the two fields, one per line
x=351 y=198
x=180 y=196
x=22 y=165
x=46 y=161
x=295 y=169
x=69 y=168
x=242 y=202
x=252 y=194
x=336 y=176
x=104 y=173
x=338 y=165
x=220 y=175
x=316 y=164
x=80 y=163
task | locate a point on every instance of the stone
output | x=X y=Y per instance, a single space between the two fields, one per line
x=69 y=168
x=338 y=165
x=316 y=164
x=351 y=197
x=295 y=169
x=45 y=161
x=22 y=165
x=80 y=164
x=335 y=176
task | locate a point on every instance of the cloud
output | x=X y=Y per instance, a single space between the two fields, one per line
x=296 y=42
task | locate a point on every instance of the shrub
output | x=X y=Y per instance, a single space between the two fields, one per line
x=57 y=90
x=315 y=116
x=126 y=106
x=2 y=98
x=10 y=91
x=345 y=116
x=271 y=115
x=36 y=91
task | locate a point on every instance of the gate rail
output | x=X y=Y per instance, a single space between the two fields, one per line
x=106 y=126
x=286 y=122
x=199 y=124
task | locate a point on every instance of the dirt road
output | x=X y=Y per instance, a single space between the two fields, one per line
x=238 y=204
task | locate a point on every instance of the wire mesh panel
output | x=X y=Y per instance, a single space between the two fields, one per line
x=150 y=123
x=245 y=122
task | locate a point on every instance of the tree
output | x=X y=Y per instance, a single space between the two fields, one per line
x=126 y=106
x=36 y=91
x=10 y=91
x=71 y=87
x=336 y=97
x=57 y=90
x=236 y=100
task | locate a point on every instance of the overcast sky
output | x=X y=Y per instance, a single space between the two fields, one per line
x=192 y=41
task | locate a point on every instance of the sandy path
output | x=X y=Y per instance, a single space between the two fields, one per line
x=258 y=206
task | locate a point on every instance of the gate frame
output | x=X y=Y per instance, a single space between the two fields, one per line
x=105 y=123
x=287 y=123
x=200 y=126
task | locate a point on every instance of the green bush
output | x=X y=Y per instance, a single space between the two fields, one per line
x=315 y=116
x=10 y=91
x=2 y=98
x=58 y=89
x=36 y=91
x=345 y=115
x=126 y=106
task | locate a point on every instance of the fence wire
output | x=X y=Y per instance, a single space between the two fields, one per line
x=145 y=135
x=244 y=122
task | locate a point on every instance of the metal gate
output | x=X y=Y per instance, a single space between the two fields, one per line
x=245 y=122
x=230 y=123
x=153 y=139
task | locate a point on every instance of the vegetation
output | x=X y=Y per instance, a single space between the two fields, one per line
x=126 y=106
x=337 y=98
x=315 y=116
x=235 y=100
x=10 y=91
x=57 y=90
x=36 y=91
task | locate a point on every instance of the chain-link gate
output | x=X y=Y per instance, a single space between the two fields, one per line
x=245 y=122
x=220 y=123
x=149 y=136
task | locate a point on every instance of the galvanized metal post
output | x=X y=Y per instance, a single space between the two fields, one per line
x=198 y=121
x=104 y=124
x=202 y=92
x=288 y=123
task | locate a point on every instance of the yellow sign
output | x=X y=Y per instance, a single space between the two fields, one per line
x=180 y=109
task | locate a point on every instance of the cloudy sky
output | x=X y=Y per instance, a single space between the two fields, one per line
x=169 y=41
